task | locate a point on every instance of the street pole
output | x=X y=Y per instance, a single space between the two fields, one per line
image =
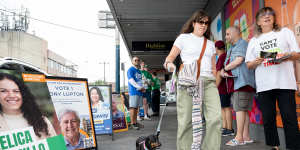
x=104 y=70
x=117 y=60
x=124 y=79
x=106 y=21
x=123 y=69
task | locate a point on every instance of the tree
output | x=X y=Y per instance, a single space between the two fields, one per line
x=98 y=82
x=126 y=88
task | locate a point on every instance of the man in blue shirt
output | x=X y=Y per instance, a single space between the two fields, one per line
x=136 y=89
x=244 y=84
x=77 y=146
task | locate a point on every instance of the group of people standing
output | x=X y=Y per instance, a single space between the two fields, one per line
x=144 y=91
x=240 y=72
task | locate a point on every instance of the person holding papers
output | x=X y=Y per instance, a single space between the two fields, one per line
x=275 y=81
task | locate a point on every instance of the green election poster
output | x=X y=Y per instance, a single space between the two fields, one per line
x=25 y=139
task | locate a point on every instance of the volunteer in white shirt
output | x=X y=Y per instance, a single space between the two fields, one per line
x=275 y=81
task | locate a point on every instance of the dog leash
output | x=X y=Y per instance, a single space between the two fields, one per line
x=159 y=123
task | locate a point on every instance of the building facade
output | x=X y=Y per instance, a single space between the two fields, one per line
x=34 y=50
x=25 y=47
x=58 y=65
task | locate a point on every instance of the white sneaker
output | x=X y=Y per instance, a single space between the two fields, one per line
x=138 y=118
x=147 y=118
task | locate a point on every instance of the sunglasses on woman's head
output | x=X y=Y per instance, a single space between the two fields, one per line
x=269 y=13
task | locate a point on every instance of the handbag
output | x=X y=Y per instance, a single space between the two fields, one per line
x=189 y=73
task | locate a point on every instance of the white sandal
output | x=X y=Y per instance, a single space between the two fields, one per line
x=249 y=141
x=234 y=142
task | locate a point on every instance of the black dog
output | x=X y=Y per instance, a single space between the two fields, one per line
x=150 y=142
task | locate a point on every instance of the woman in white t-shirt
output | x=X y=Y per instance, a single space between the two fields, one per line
x=18 y=108
x=275 y=80
x=189 y=45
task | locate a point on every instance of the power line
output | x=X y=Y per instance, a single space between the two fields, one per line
x=59 y=25
x=71 y=28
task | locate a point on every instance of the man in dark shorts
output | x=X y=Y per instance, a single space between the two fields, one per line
x=244 y=84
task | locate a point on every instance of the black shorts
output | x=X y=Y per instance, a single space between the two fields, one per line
x=225 y=100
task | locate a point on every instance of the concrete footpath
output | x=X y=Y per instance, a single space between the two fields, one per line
x=126 y=140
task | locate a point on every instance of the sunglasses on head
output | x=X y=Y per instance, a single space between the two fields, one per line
x=269 y=13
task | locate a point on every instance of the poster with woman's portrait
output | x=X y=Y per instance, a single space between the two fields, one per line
x=72 y=104
x=100 y=97
x=118 y=114
x=27 y=113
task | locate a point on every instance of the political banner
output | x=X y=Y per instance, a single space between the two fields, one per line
x=71 y=102
x=100 y=96
x=27 y=114
x=118 y=114
x=25 y=139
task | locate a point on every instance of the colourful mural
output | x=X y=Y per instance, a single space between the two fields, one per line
x=237 y=13
x=242 y=13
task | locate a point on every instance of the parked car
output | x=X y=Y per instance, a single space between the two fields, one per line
x=15 y=64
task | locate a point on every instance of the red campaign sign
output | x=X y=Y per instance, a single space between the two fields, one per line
x=119 y=122
x=255 y=114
